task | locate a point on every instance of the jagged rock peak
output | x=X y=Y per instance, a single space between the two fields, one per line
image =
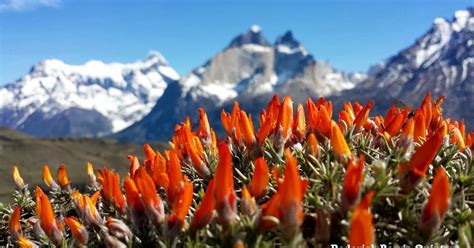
x=252 y=36
x=288 y=40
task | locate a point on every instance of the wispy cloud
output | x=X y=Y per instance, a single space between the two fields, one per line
x=24 y=5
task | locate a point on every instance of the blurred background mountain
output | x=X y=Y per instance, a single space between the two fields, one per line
x=98 y=111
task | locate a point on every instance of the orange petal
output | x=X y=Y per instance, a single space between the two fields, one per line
x=224 y=192
x=261 y=177
x=247 y=129
x=77 y=229
x=352 y=182
x=14 y=223
x=438 y=201
x=204 y=213
x=362 y=230
x=285 y=117
x=363 y=116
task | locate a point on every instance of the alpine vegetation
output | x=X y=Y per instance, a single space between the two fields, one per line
x=305 y=177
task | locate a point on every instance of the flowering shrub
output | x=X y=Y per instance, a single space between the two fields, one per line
x=301 y=179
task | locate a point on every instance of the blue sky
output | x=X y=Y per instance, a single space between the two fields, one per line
x=351 y=34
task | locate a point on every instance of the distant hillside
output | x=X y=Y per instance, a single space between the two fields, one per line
x=30 y=154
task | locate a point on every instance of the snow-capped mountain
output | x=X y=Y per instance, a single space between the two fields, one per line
x=441 y=61
x=57 y=99
x=250 y=69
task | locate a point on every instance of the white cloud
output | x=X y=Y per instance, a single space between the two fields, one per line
x=24 y=5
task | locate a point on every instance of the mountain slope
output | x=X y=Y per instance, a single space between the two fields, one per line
x=441 y=61
x=250 y=69
x=57 y=99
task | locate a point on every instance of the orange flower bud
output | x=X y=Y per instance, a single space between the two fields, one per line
x=180 y=207
x=151 y=200
x=247 y=202
x=299 y=124
x=134 y=202
x=63 y=180
x=362 y=232
x=352 y=182
x=48 y=178
x=14 y=223
x=20 y=184
x=78 y=230
x=91 y=175
x=204 y=213
x=338 y=141
x=437 y=204
x=45 y=214
x=285 y=117
x=291 y=197
x=312 y=145
x=224 y=191
x=261 y=177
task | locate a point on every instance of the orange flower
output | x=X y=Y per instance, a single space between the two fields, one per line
x=204 y=213
x=78 y=230
x=457 y=138
x=312 y=145
x=338 y=141
x=180 y=207
x=362 y=230
x=224 y=191
x=195 y=151
x=246 y=128
x=267 y=126
x=420 y=127
x=20 y=184
x=261 y=177
x=427 y=109
x=134 y=164
x=299 y=124
x=158 y=173
x=352 y=182
x=324 y=121
x=45 y=214
x=312 y=115
x=86 y=207
x=412 y=172
x=407 y=133
x=270 y=213
x=134 y=202
x=175 y=176
x=437 y=204
x=396 y=123
x=62 y=177
x=14 y=223
x=48 y=178
x=363 y=116
x=247 y=202
x=204 y=131
x=151 y=200
x=285 y=117
x=345 y=117
x=291 y=197
x=111 y=191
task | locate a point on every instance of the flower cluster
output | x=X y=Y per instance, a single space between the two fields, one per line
x=303 y=178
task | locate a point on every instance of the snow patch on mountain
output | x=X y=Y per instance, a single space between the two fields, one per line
x=123 y=93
